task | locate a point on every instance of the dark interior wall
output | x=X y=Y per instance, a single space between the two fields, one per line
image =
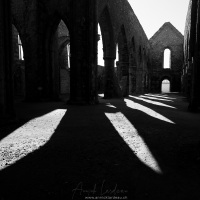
x=191 y=69
x=122 y=15
x=6 y=62
x=37 y=21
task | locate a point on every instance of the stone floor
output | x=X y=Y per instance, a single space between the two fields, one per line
x=141 y=147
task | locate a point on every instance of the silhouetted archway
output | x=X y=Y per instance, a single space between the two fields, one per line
x=18 y=65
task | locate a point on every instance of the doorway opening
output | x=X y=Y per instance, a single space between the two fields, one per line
x=165 y=88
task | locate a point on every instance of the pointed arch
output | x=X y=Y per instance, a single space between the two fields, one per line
x=51 y=61
x=111 y=85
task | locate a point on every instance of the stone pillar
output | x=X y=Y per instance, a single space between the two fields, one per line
x=111 y=86
x=195 y=90
x=6 y=60
x=132 y=79
x=124 y=82
x=195 y=82
x=34 y=70
x=54 y=75
x=83 y=35
x=132 y=72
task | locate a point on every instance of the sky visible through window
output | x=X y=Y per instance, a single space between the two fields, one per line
x=152 y=14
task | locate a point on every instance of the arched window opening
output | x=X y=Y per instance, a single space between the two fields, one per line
x=100 y=48
x=68 y=54
x=117 y=55
x=20 y=48
x=63 y=50
x=100 y=65
x=165 y=88
x=167 y=59
x=18 y=65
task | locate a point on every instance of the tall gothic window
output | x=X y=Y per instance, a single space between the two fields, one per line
x=68 y=54
x=117 y=55
x=21 y=53
x=167 y=59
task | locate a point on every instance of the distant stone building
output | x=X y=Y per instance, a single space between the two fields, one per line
x=166 y=47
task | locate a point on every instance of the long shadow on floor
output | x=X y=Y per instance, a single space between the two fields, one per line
x=25 y=112
x=87 y=157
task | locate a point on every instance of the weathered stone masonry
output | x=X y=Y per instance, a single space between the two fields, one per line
x=191 y=69
x=139 y=68
x=37 y=23
x=167 y=37
x=6 y=61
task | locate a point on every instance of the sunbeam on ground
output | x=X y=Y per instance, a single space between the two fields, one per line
x=151 y=102
x=146 y=110
x=160 y=96
x=29 y=137
x=130 y=135
x=155 y=98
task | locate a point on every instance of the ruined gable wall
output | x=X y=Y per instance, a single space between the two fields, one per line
x=166 y=37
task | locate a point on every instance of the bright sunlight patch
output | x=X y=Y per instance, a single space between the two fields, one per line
x=29 y=137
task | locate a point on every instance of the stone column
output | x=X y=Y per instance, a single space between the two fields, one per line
x=124 y=67
x=124 y=82
x=6 y=60
x=34 y=70
x=195 y=90
x=83 y=35
x=132 y=72
x=54 y=76
x=132 y=79
x=111 y=86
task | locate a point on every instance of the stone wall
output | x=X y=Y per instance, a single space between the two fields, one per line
x=167 y=37
x=191 y=69
x=6 y=62
x=37 y=21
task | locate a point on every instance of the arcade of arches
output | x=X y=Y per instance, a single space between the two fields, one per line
x=81 y=79
x=50 y=47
